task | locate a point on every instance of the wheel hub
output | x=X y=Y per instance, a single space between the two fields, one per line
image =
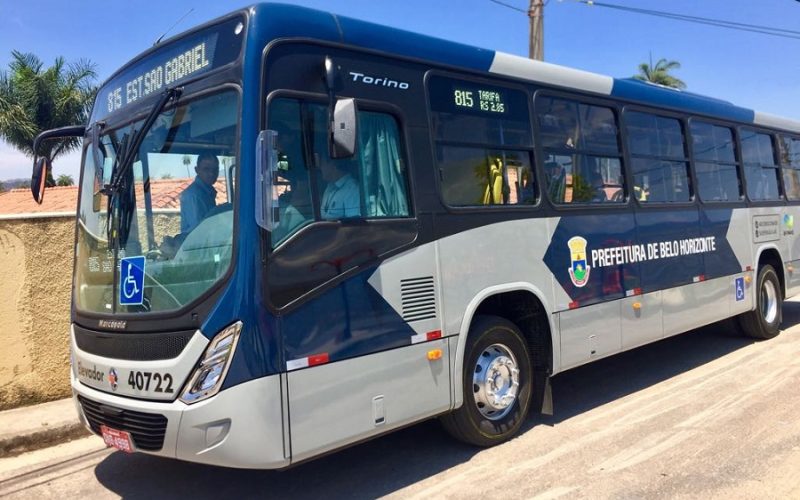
x=769 y=301
x=496 y=381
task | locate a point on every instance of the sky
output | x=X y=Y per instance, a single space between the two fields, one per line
x=752 y=70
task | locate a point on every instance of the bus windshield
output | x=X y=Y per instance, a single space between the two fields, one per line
x=171 y=233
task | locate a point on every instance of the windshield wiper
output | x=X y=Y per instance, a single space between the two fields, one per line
x=121 y=169
x=129 y=153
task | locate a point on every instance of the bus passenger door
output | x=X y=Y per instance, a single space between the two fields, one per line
x=358 y=306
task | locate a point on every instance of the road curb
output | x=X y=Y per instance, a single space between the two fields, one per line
x=49 y=436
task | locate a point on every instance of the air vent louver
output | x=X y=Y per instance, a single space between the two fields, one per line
x=419 y=298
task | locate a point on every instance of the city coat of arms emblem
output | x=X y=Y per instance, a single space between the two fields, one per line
x=578 y=269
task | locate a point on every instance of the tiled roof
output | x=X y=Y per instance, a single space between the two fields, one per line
x=56 y=200
x=165 y=194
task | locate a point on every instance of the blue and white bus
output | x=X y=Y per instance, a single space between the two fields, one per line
x=297 y=231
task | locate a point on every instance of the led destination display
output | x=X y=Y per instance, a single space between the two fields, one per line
x=477 y=112
x=177 y=61
x=190 y=62
x=490 y=101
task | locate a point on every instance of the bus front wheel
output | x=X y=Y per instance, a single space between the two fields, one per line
x=497 y=384
x=764 y=322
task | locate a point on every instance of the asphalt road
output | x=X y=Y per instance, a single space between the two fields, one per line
x=701 y=415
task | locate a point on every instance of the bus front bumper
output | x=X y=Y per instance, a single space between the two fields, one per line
x=240 y=427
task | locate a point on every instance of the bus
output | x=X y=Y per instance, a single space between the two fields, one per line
x=297 y=231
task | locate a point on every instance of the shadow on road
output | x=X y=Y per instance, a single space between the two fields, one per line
x=389 y=463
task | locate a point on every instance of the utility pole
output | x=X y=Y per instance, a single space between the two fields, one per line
x=536 y=14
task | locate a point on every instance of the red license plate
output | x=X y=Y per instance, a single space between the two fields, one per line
x=120 y=440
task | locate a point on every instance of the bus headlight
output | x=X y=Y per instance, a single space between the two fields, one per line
x=208 y=376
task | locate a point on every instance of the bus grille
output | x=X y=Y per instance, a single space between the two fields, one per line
x=132 y=346
x=147 y=429
x=419 y=298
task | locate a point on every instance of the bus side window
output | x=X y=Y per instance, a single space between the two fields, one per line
x=474 y=176
x=659 y=165
x=790 y=159
x=374 y=183
x=484 y=143
x=715 y=162
x=760 y=167
x=584 y=161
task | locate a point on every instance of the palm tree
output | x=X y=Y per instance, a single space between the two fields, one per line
x=33 y=99
x=187 y=160
x=65 y=180
x=659 y=73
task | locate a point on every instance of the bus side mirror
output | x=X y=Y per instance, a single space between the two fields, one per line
x=39 y=178
x=42 y=165
x=344 y=129
x=342 y=117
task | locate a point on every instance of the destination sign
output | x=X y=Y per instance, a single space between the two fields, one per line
x=479 y=112
x=179 y=67
x=450 y=95
x=188 y=57
x=490 y=101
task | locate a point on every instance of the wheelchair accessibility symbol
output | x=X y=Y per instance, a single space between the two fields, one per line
x=131 y=281
x=739 y=283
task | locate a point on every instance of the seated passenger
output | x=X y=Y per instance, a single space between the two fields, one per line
x=342 y=197
x=599 y=194
x=200 y=197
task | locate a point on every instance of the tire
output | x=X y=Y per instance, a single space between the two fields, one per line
x=486 y=418
x=764 y=322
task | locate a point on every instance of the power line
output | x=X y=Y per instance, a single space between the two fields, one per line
x=720 y=23
x=672 y=15
x=518 y=9
x=512 y=7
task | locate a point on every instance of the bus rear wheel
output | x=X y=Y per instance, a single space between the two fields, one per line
x=764 y=322
x=496 y=383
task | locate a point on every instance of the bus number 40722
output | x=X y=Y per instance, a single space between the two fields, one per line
x=141 y=381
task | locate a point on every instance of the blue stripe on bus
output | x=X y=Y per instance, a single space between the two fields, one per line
x=396 y=41
x=676 y=99
x=350 y=320
x=645 y=228
x=274 y=21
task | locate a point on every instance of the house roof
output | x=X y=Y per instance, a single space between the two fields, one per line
x=164 y=193
x=57 y=200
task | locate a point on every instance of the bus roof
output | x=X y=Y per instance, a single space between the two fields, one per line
x=274 y=20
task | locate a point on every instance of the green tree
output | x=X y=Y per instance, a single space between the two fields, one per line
x=187 y=160
x=34 y=98
x=65 y=180
x=660 y=73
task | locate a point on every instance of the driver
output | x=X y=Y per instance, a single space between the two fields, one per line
x=200 y=197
